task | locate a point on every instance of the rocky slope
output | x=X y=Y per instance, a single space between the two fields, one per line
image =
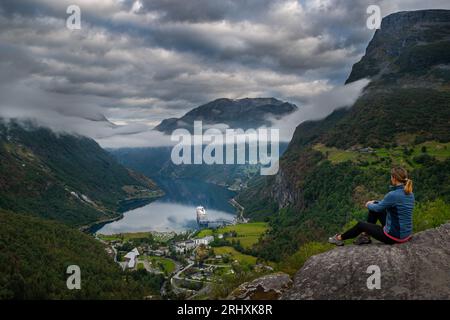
x=407 y=42
x=418 y=269
x=269 y=287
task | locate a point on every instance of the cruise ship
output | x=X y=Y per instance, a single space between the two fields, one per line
x=202 y=217
x=204 y=222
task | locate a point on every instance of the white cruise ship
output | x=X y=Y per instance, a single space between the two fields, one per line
x=202 y=216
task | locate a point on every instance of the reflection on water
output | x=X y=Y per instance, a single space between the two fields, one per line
x=176 y=210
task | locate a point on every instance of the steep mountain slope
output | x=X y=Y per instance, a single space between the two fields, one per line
x=237 y=113
x=156 y=163
x=408 y=43
x=403 y=117
x=408 y=64
x=63 y=177
x=35 y=254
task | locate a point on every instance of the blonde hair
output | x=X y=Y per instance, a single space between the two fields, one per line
x=401 y=175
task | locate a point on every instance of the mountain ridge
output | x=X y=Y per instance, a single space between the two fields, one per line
x=237 y=113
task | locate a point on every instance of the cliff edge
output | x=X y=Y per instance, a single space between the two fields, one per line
x=418 y=269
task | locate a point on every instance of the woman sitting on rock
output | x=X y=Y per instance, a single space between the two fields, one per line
x=394 y=212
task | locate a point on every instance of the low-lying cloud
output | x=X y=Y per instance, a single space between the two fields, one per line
x=320 y=106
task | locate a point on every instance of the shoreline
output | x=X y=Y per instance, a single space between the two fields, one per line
x=124 y=206
x=138 y=203
x=95 y=226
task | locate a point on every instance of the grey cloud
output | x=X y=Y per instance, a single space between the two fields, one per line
x=319 y=106
x=205 y=10
x=138 y=68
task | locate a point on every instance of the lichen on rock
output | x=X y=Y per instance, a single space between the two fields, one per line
x=269 y=287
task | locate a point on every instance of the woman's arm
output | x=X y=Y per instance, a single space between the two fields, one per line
x=388 y=201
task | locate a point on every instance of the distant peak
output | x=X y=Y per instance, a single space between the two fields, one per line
x=240 y=113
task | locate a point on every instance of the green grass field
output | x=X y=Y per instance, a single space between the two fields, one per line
x=337 y=155
x=440 y=151
x=165 y=264
x=235 y=255
x=160 y=237
x=124 y=236
x=223 y=270
x=140 y=266
x=247 y=233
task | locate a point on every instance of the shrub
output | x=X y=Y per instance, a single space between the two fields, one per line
x=430 y=214
x=292 y=264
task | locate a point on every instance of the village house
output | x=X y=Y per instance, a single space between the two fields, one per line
x=179 y=249
x=206 y=240
x=189 y=244
x=366 y=150
x=130 y=258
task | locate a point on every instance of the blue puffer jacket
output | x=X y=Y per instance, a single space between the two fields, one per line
x=399 y=207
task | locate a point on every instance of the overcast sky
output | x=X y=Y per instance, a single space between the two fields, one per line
x=138 y=62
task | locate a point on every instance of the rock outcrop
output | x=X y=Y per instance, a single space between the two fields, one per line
x=269 y=287
x=404 y=44
x=418 y=269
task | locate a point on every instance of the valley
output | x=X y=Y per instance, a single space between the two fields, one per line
x=194 y=264
x=127 y=216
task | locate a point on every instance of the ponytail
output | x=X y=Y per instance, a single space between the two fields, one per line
x=401 y=175
x=408 y=186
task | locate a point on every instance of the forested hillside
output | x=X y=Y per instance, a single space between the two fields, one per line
x=35 y=254
x=63 y=177
x=48 y=176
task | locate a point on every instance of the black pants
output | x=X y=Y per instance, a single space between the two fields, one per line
x=370 y=227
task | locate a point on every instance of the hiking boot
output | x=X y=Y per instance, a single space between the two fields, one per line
x=362 y=239
x=335 y=240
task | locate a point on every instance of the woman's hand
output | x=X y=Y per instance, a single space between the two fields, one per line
x=369 y=202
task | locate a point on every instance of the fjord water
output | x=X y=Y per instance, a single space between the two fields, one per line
x=176 y=210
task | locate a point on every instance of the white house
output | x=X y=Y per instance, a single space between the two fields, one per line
x=206 y=240
x=130 y=257
x=189 y=244
x=179 y=249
